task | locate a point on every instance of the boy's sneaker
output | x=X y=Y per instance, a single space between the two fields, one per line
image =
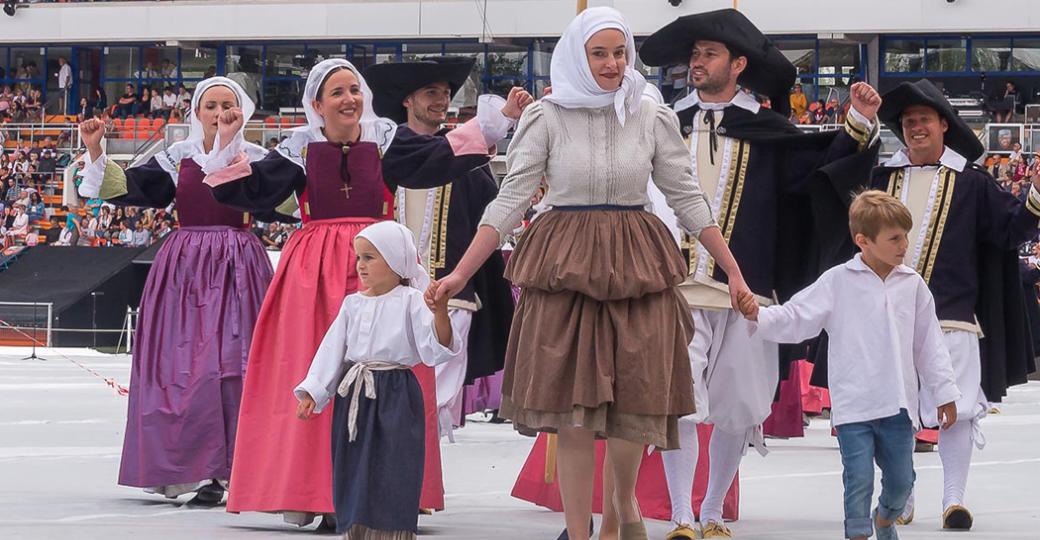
x=884 y=533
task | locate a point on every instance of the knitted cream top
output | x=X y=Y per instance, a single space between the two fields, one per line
x=588 y=158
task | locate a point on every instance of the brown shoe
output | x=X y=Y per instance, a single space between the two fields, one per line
x=905 y=520
x=715 y=530
x=681 y=531
x=957 y=518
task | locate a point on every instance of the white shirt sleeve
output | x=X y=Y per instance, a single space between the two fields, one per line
x=493 y=124
x=803 y=317
x=931 y=358
x=424 y=334
x=93 y=174
x=328 y=366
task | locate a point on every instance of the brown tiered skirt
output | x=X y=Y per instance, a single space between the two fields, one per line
x=600 y=335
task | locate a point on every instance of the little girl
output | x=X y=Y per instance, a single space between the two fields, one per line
x=378 y=424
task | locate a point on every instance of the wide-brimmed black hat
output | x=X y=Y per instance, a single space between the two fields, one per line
x=392 y=83
x=768 y=71
x=959 y=136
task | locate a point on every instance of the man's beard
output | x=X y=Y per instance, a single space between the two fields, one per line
x=710 y=84
x=428 y=119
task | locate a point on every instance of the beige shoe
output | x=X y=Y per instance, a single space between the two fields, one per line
x=905 y=520
x=682 y=531
x=957 y=518
x=633 y=531
x=715 y=530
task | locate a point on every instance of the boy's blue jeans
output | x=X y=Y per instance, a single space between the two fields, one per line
x=889 y=442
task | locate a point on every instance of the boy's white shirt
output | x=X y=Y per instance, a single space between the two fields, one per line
x=883 y=337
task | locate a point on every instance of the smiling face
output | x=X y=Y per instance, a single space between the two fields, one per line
x=429 y=104
x=375 y=274
x=923 y=131
x=340 y=100
x=713 y=68
x=607 y=55
x=214 y=101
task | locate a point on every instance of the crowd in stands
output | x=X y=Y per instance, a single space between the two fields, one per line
x=20 y=103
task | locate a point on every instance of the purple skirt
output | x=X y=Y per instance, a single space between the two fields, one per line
x=200 y=302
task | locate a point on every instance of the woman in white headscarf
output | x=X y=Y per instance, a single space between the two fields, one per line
x=200 y=302
x=341 y=171
x=598 y=347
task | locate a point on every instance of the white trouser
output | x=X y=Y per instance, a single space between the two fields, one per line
x=452 y=375
x=967 y=371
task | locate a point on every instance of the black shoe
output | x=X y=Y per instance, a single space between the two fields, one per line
x=496 y=419
x=565 y=536
x=208 y=496
x=327 y=525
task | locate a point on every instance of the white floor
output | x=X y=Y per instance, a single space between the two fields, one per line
x=61 y=431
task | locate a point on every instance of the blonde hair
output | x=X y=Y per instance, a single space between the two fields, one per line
x=873 y=210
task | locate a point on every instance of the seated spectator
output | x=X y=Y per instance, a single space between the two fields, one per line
x=156 y=105
x=100 y=100
x=69 y=235
x=273 y=237
x=126 y=235
x=86 y=236
x=162 y=229
x=183 y=94
x=127 y=105
x=20 y=223
x=141 y=236
x=34 y=106
x=169 y=100
x=176 y=116
x=799 y=103
x=8 y=220
x=36 y=208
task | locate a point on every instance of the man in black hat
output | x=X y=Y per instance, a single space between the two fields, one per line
x=967 y=234
x=444 y=220
x=772 y=190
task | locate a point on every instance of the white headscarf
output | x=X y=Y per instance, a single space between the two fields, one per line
x=373 y=128
x=574 y=86
x=193 y=146
x=396 y=244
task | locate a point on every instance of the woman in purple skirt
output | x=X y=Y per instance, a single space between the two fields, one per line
x=200 y=301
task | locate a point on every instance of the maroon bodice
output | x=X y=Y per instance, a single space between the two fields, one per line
x=196 y=206
x=328 y=196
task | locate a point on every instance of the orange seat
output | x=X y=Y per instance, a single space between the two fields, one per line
x=126 y=134
x=144 y=123
x=271 y=121
x=158 y=124
x=300 y=120
x=117 y=124
x=286 y=121
x=144 y=134
x=130 y=123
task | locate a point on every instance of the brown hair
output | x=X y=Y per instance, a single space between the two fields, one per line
x=873 y=210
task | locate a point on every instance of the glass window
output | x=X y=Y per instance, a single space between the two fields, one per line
x=947 y=55
x=244 y=59
x=284 y=61
x=198 y=62
x=904 y=55
x=1026 y=55
x=3 y=64
x=841 y=60
x=280 y=93
x=317 y=53
x=159 y=63
x=27 y=63
x=475 y=85
x=367 y=54
x=411 y=52
x=506 y=68
x=991 y=55
x=801 y=53
x=122 y=63
x=53 y=66
x=541 y=56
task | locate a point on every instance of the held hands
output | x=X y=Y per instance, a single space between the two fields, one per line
x=305 y=410
x=91 y=132
x=748 y=305
x=517 y=101
x=229 y=123
x=865 y=99
x=440 y=291
x=947 y=415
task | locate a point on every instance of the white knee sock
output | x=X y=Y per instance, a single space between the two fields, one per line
x=679 y=468
x=955 y=449
x=724 y=453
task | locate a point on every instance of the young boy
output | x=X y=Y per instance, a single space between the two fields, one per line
x=884 y=339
